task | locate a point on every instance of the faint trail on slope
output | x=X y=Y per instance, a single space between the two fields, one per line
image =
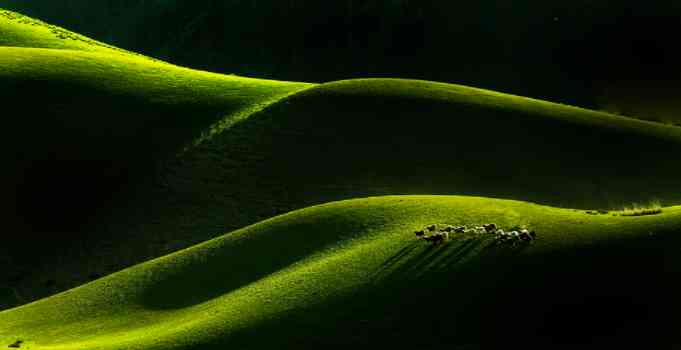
x=229 y=121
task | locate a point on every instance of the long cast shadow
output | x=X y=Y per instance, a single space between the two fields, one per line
x=397 y=257
x=412 y=265
x=458 y=255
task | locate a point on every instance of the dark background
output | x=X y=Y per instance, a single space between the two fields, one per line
x=566 y=51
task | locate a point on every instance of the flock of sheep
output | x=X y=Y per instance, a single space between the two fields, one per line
x=438 y=234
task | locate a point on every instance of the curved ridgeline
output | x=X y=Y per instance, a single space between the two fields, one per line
x=88 y=121
x=352 y=273
x=114 y=159
x=576 y=52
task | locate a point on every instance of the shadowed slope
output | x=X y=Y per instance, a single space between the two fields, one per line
x=351 y=274
x=94 y=126
x=559 y=51
x=99 y=118
x=379 y=137
x=87 y=126
x=374 y=137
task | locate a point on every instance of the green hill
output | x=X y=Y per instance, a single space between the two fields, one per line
x=383 y=136
x=352 y=274
x=17 y=30
x=88 y=123
x=114 y=159
x=573 y=52
x=244 y=163
x=95 y=119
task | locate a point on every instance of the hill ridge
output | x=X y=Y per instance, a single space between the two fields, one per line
x=22 y=31
x=354 y=245
x=162 y=157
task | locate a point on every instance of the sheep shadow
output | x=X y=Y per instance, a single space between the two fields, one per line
x=393 y=260
x=420 y=258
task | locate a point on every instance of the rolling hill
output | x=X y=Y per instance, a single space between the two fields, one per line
x=582 y=52
x=114 y=159
x=352 y=274
x=19 y=30
x=89 y=121
x=201 y=153
x=87 y=112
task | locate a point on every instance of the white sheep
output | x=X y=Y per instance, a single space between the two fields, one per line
x=527 y=235
x=490 y=228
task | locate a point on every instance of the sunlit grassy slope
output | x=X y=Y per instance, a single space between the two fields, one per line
x=87 y=123
x=84 y=121
x=114 y=158
x=388 y=136
x=380 y=137
x=92 y=120
x=23 y=31
x=351 y=273
x=335 y=141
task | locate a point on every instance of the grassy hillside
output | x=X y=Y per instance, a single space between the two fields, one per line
x=86 y=121
x=385 y=136
x=338 y=141
x=80 y=108
x=115 y=159
x=560 y=51
x=17 y=30
x=379 y=137
x=352 y=274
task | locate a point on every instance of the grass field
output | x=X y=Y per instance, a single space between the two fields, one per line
x=91 y=121
x=352 y=273
x=115 y=159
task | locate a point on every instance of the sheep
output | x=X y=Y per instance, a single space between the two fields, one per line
x=439 y=233
x=436 y=239
x=525 y=235
x=490 y=228
x=503 y=236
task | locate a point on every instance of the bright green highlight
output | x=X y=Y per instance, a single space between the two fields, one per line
x=209 y=293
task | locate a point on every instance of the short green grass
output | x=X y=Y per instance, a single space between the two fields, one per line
x=92 y=120
x=206 y=153
x=360 y=138
x=17 y=30
x=104 y=120
x=352 y=273
x=169 y=156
